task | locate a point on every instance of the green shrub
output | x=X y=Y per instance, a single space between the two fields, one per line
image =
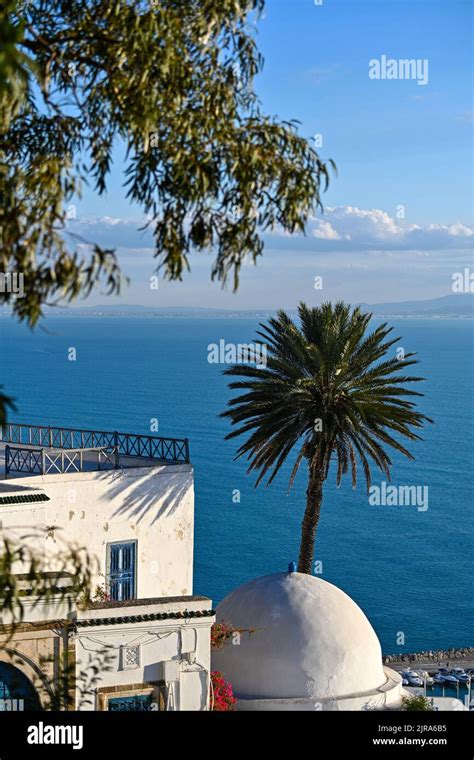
x=417 y=702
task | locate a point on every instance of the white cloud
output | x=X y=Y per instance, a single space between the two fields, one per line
x=325 y=231
x=112 y=231
x=346 y=228
x=342 y=228
x=459 y=230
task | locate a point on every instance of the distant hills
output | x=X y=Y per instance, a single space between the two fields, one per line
x=454 y=305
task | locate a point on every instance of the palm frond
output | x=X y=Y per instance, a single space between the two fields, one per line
x=329 y=368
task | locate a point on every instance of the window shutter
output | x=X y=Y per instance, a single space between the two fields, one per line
x=121 y=575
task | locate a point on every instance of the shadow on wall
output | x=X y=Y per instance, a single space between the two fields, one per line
x=161 y=493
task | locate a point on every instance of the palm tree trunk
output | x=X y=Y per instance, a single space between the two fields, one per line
x=314 y=497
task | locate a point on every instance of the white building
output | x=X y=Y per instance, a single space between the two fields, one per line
x=128 y=499
x=311 y=648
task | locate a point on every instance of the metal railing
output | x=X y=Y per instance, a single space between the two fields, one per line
x=46 y=461
x=173 y=450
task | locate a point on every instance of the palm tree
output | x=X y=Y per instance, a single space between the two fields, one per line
x=330 y=388
x=5 y=403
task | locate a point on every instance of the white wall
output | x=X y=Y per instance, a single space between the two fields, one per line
x=159 y=641
x=154 y=505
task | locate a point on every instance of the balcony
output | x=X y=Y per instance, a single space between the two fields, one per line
x=43 y=450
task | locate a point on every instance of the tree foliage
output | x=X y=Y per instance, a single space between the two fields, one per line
x=330 y=392
x=25 y=572
x=417 y=703
x=170 y=80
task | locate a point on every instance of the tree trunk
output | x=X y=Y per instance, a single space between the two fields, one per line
x=314 y=497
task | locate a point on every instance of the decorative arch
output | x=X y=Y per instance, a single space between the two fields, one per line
x=14 y=684
x=30 y=670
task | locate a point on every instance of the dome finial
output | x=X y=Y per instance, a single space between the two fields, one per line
x=292 y=567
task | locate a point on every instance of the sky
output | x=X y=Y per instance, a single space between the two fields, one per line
x=398 y=217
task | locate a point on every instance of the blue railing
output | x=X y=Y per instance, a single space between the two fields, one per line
x=75 y=440
x=46 y=461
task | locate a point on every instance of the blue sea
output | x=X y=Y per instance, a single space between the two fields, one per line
x=410 y=571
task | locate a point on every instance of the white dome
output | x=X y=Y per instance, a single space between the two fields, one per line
x=312 y=642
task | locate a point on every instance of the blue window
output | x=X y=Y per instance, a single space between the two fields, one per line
x=139 y=703
x=121 y=571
